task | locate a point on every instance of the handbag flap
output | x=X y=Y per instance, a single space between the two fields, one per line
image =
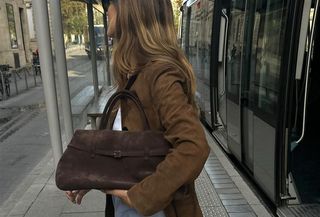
x=120 y=143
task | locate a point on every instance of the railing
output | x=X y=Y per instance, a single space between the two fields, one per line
x=17 y=80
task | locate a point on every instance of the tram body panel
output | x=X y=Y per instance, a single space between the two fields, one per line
x=234 y=126
x=264 y=156
x=248 y=137
x=240 y=103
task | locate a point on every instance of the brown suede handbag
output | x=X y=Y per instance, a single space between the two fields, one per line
x=107 y=159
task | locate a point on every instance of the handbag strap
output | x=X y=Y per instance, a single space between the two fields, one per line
x=130 y=82
x=109 y=209
x=124 y=94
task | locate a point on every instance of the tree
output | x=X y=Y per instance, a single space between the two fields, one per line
x=98 y=17
x=74 y=18
x=176 y=4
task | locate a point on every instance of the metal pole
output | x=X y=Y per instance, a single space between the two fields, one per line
x=93 y=51
x=62 y=71
x=106 y=41
x=45 y=51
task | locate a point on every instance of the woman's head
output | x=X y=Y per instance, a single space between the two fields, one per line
x=144 y=31
x=136 y=17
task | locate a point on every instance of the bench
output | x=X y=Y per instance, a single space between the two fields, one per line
x=96 y=109
x=80 y=104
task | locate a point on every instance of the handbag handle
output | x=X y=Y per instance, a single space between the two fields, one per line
x=123 y=94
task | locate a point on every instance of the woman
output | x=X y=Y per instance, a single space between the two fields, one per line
x=147 y=46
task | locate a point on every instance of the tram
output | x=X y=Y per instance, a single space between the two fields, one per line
x=257 y=68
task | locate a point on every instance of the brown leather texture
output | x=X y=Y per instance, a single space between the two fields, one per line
x=106 y=159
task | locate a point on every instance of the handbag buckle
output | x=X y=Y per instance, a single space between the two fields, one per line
x=117 y=154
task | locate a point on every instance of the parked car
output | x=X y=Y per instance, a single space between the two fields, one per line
x=99 y=38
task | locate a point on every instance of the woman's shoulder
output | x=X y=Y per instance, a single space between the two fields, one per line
x=160 y=70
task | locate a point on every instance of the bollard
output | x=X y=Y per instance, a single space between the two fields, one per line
x=15 y=81
x=34 y=76
x=26 y=79
x=4 y=96
x=40 y=73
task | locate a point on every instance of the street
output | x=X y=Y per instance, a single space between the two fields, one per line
x=24 y=137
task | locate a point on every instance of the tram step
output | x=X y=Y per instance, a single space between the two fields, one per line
x=304 y=210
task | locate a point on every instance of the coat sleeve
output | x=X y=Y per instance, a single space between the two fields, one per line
x=190 y=149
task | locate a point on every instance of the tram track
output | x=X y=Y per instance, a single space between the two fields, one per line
x=17 y=123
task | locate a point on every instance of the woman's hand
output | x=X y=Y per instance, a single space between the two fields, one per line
x=122 y=194
x=76 y=196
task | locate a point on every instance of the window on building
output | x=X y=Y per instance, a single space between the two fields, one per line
x=12 y=26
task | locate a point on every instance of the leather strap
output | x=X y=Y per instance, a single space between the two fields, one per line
x=109 y=210
x=124 y=94
x=121 y=154
x=130 y=82
x=119 y=95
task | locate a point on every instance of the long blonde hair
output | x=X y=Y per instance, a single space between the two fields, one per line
x=145 y=28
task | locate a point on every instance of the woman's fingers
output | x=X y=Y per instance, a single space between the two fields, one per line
x=70 y=196
x=80 y=195
x=76 y=195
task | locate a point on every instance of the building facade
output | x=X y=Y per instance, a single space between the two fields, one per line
x=30 y=20
x=14 y=37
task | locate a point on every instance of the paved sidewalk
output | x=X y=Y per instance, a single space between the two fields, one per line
x=221 y=192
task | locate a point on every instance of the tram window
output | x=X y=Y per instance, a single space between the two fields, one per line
x=268 y=47
x=199 y=49
x=200 y=38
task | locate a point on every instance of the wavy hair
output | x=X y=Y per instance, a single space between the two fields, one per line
x=145 y=32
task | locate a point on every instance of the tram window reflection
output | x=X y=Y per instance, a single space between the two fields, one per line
x=234 y=52
x=199 y=51
x=270 y=15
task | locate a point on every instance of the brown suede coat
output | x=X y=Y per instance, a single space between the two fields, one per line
x=161 y=89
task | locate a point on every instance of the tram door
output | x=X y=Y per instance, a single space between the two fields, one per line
x=198 y=18
x=218 y=72
x=233 y=76
x=254 y=57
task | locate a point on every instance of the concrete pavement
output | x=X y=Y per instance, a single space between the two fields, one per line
x=24 y=137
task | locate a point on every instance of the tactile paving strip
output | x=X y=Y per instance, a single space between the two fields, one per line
x=224 y=193
x=210 y=203
x=205 y=191
x=214 y=212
